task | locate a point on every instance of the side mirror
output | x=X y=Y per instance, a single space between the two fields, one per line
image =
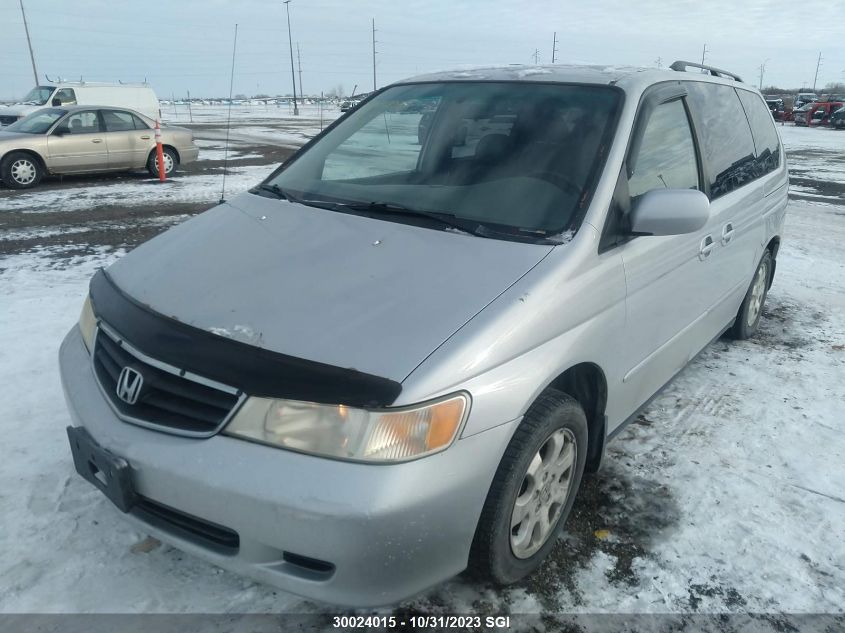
x=670 y=212
x=57 y=103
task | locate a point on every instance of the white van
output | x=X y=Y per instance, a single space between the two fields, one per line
x=139 y=97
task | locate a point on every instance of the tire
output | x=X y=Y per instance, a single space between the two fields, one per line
x=20 y=170
x=504 y=554
x=748 y=318
x=171 y=161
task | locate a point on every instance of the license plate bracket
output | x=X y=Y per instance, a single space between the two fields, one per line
x=110 y=473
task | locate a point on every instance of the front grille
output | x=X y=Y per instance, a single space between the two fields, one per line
x=215 y=537
x=7 y=120
x=168 y=399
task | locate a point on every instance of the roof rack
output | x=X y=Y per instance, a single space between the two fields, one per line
x=716 y=72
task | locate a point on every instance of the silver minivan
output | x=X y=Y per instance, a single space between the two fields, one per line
x=395 y=358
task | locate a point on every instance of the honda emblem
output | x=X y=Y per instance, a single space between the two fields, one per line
x=129 y=385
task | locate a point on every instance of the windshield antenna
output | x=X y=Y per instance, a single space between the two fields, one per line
x=229 y=119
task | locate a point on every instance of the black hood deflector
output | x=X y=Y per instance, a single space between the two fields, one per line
x=254 y=370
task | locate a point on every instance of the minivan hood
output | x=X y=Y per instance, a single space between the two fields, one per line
x=345 y=290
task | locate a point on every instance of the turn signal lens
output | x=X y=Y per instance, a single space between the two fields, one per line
x=87 y=324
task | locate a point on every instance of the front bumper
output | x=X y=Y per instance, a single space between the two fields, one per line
x=390 y=531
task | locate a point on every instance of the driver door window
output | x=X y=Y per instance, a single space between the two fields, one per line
x=65 y=96
x=85 y=122
x=666 y=157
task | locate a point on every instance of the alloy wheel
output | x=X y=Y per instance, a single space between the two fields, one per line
x=543 y=493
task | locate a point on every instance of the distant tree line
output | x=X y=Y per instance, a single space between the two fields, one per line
x=835 y=87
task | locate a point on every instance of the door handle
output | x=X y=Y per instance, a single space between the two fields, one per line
x=96 y=140
x=146 y=137
x=707 y=246
x=727 y=233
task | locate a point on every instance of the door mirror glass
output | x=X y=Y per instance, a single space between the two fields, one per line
x=669 y=212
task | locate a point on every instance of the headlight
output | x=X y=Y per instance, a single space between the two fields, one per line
x=387 y=435
x=87 y=323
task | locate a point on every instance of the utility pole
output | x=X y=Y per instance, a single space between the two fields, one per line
x=816 y=78
x=299 y=64
x=536 y=56
x=703 y=53
x=762 y=71
x=29 y=43
x=659 y=63
x=374 y=54
x=292 y=75
x=554 y=46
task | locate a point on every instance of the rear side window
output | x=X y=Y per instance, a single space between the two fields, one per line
x=727 y=145
x=665 y=158
x=766 y=141
x=117 y=121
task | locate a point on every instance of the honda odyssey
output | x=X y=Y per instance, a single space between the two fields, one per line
x=395 y=358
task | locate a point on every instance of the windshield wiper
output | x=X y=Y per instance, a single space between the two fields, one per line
x=390 y=208
x=276 y=190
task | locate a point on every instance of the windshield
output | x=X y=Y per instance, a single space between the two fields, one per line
x=38 y=95
x=517 y=158
x=37 y=122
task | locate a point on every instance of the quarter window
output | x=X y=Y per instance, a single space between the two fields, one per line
x=666 y=155
x=728 y=148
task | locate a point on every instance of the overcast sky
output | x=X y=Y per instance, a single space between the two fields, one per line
x=187 y=45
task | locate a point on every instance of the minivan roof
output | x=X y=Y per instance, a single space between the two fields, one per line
x=630 y=78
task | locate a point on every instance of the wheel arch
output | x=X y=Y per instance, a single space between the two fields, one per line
x=31 y=152
x=587 y=383
x=773 y=247
x=165 y=146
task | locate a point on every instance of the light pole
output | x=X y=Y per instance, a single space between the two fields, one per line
x=292 y=74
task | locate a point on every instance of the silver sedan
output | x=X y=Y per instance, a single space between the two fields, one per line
x=87 y=139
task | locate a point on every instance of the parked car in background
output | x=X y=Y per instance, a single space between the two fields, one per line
x=347 y=105
x=818 y=113
x=837 y=119
x=776 y=107
x=801 y=115
x=85 y=139
x=138 y=97
x=803 y=98
x=518 y=293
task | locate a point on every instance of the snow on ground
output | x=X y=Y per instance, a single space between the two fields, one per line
x=725 y=496
x=140 y=190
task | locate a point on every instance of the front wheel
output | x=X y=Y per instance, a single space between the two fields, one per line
x=171 y=160
x=533 y=490
x=748 y=318
x=20 y=170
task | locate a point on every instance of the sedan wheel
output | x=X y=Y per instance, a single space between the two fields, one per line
x=20 y=170
x=170 y=162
